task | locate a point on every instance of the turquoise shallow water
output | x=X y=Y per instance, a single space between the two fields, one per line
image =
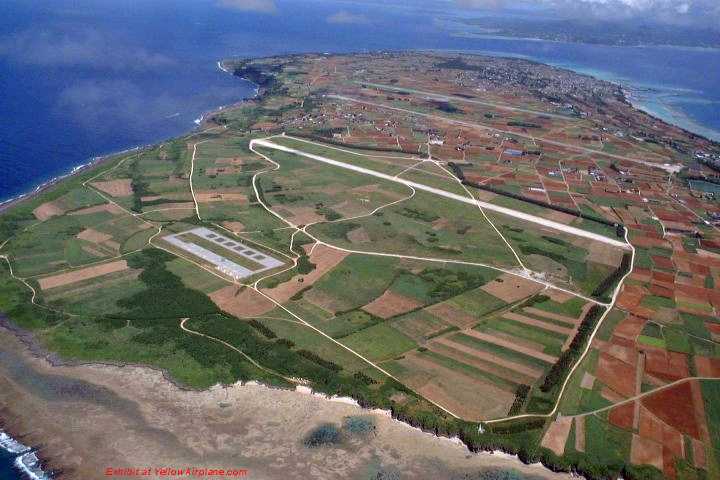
x=86 y=77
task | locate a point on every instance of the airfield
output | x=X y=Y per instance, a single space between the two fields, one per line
x=419 y=234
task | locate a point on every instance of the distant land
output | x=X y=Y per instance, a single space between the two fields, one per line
x=492 y=250
x=626 y=34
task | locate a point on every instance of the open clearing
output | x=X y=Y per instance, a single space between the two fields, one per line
x=61 y=279
x=557 y=434
x=511 y=288
x=241 y=302
x=115 y=188
x=324 y=258
x=390 y=304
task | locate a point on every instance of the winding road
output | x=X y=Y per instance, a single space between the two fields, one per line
x=443 y=193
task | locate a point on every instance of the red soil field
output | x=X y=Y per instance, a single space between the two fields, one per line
x=675 y=407
x=646 y=452
x=663 y=277
x=630 y=327
x=663 y=262
x=630 y=297
x=616 y=374
x=649 y=425
x=623 y=416
x=390 y=304
x=699 y=293
x=673 y=441
x=660 y=291
x=667 y=365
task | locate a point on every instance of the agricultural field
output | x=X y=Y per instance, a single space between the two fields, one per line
x=513 y=266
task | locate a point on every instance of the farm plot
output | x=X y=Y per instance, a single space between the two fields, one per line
x=75 y=201
x=306 y=192
x=354 y=282
x=95 y=295
x=72 y=241
x=61 y=279
x=425 y=226
x=465 y=391
x=324 y=258
x=385 y=162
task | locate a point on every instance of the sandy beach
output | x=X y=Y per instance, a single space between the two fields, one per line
x=87 y=418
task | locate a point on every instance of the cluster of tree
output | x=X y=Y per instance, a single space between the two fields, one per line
x=602 y=290
x=304 y=265
x=327 y=212
x=570 y=356
x=10 y=223
x=165 y=295
x=521 y=393
x=512 y=427
x=263 y=75
x=139 y=187
x=364 y=378
x=447 y=283
x=457 y=170
x=523 y=124
x=416 y=214
x=446 y=107
x=312 y=356
x=267 y=333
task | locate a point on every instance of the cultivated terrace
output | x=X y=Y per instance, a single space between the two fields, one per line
x=490 y=248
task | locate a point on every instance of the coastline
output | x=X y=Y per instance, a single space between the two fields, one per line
x=499 y=36
x=201 y=122
x=44 y=469
x=676 y=119
x=99 y=160
x=145 y=401
x=44 y=186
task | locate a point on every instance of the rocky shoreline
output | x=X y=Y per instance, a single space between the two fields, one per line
x=119 y=416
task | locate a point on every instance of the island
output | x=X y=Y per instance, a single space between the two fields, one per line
x=490 y=249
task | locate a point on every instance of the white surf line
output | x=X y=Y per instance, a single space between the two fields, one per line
x=666 y=166
x=221 y=66
x=419 y=186
x=608 y=309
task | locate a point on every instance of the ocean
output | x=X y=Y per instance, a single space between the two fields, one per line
x=82 y=78
x=18 y=461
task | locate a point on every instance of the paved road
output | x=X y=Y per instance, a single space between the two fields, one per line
x=443 y=193
x=672 y=168
x=446 y=97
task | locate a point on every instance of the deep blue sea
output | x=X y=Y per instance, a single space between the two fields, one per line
x=81 y=78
